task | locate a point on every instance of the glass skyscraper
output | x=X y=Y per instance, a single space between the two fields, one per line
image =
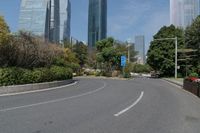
x=97 y=21
x=65 y=17
x=49 y=19
x=183 y=12
x=140 y=48
x=33 y=16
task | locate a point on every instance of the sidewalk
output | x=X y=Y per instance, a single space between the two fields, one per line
x=178 y=82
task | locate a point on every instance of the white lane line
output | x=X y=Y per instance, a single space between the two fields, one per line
x=131 y=106
x=35 y=91
x=53 y=101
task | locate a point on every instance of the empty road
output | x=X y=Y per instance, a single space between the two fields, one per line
x=103 y=106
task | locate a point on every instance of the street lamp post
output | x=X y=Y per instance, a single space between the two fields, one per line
x=176 y=52
x=129 y=45
x=128 y=53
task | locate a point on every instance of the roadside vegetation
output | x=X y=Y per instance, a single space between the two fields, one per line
x=192 y=40
x=161 y=54
x=25 y=58
x=105 y=60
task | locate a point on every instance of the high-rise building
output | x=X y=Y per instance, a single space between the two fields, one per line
x=65 y=17
x=183 y=12
x=140 y=48
x=97 y=21
x=33 y=16
x=49 y=19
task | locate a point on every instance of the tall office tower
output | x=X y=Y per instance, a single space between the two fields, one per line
x=49 y=19
x=97 y=21
x=65 y=17
x=140 y=48
x=34 y=15
x=183 y=12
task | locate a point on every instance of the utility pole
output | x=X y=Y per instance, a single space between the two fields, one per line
x=176 y=57
x=129 y=54
x=129 y=45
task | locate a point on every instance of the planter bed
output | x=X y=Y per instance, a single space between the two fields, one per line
x=191 y=86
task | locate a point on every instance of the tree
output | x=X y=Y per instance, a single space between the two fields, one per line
x=109 y=54
x=106 y=54
x=67 y=44
x=27 y=51
x=123 y=48
x=192 y=39
x=80 y=51
x=92 y=59
x=4 y=40
x=4 y=31
x=70 y=56
x=105 y=43
x=161 y=54
x=139 y=68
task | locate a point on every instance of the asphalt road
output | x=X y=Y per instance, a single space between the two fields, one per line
x=103 y=106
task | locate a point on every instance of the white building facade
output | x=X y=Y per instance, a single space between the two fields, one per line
x=183 y=12
x=140 y=48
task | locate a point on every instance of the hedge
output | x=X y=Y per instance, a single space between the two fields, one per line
x=16 y=76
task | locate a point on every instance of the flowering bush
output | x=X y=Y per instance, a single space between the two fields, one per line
x=197 y=80
x=193 y=79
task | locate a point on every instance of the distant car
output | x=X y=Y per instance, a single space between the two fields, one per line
x=155 y=75
x=134 y=74
x=146 y=75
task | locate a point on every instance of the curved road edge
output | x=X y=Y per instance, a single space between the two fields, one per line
x=55 y=100
x=33 y=88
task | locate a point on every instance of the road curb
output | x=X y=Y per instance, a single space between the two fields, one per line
x=169 y=81
x=100 y=77
x=6 y=90
x=173 y=82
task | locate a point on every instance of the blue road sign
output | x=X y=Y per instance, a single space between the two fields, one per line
x=123 y=61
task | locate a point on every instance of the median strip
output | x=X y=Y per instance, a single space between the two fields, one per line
x=42 y=90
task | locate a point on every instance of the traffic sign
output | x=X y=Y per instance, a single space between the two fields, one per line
x=123 y=61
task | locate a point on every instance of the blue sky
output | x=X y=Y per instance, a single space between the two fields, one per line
x=126 y=18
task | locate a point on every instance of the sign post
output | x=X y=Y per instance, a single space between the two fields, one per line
x=123 y=63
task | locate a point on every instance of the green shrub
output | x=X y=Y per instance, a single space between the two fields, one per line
x=106 y=74
x=13 y=76
x=58 y=61
x=97 y=74
x=27 y=76
x=61 y=73
x=194 y=75
x=139 y=68
x=127 y=71
x=36 y=75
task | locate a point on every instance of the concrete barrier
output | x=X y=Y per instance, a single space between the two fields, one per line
x=192 y=87
x=31 y=87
